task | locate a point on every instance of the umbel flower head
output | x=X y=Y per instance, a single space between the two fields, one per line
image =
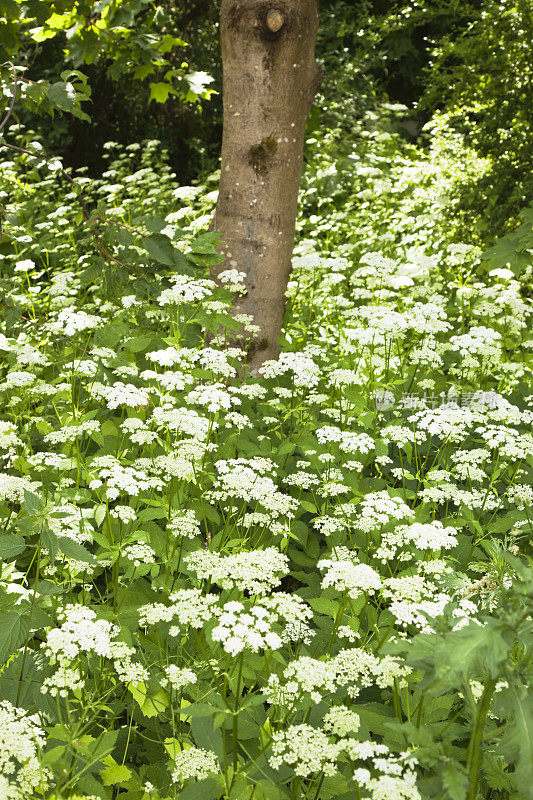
x=21 y=739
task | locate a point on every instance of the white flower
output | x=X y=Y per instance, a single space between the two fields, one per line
x=186 y=290
x=341 y=720
x=70 y=321
x=345 y=573
x=305 y=749
x=257 y=571
x=379 y=508
x=194 y=762
x=139 y=553
x=21 y=739
x=12 y=487
x=184 y=523
x=238 y=629
x=303 y=369
x=179 y=678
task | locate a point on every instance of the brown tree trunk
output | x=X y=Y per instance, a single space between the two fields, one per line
x=270 y=77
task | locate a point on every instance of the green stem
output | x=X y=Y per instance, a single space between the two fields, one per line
x=473 y=761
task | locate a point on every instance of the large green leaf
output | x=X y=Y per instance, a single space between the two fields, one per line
x=14 y=630
x=11 y=545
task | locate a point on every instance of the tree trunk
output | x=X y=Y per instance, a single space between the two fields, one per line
x=270 y=77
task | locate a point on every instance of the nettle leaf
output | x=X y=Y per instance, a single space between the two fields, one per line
x=72 y=549
x=160 y=248
x=11 y=545
x=14 y=630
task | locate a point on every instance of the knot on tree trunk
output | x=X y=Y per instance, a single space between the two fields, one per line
x=274 y=20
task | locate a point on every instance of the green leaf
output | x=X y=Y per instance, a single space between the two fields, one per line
x=11 y=545
x=517 y=743
x=72 y=549
x=206 y=736
x=455 y=781
x=151 y=705
x=63 y=95
x=160 y=248
x=14 y=630
x=160 y=92
x=114 y=773
x=208 y=789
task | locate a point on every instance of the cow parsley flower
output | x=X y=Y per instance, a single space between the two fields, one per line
x=257 y=571
x=305 y=749
x=341 y=720
x=379 y=508
x=345 y=573
x=184 y=523
x=238 y=629
x=69 y=322
x=194 y=762
x=179 y=678
x=21 y=739
x=186 y=290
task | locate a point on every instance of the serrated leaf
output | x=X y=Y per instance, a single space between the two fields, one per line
x=72 y=549
x=14 y=630
x=11 y=545
x=160 y=248
x=161 y=91
x=114 y=773
x=454 y=781
x=152 y=705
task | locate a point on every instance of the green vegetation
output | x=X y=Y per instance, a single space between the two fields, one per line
x=314 y=583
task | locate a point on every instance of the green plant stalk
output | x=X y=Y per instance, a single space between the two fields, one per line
x=473 y=761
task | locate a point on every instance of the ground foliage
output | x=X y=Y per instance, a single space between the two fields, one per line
x=314 y=583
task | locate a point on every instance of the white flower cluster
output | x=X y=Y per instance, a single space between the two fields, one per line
x=429 y=536
x=194 y=762
x=139 y=553
x=121 y=480
x=379 y=508
x=189 y=607
x=182 y=420
x=348 y=441
x=347 y=574
x=341 y=720
x=69 y=433
x=8 y=436
x=120 y=394
x=238 y=629
x=81 y=632
x=212 y=397
x=242 y=478
x=305 y=749
x=186 y=290
x=179 y=678
x=256 y=572
x=353 y=668
x=69 y=322
x=184 y=523
x=12 y=487
x=21 y=739
x=301 y=368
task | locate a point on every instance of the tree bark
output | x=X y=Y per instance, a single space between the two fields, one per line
x=270 y=78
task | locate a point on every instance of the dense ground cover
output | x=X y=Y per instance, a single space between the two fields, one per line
x=311 y=583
